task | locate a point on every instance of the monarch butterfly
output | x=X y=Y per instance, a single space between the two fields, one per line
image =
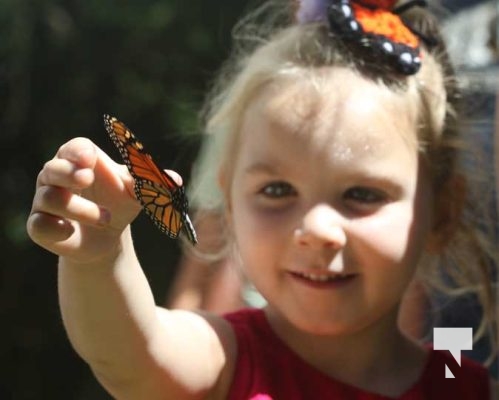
x=378 y=30
x=161 y=197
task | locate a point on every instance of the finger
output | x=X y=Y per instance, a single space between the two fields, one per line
x=86 y=157
x=65 y=173
x=81 y=151
x=65 y=204
x=175 y=176
x=45 y=229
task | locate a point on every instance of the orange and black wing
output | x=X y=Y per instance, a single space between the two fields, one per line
x=161 y=197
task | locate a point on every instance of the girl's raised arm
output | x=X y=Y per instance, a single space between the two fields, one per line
x=82 y=209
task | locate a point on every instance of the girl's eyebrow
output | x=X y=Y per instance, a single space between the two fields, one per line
x=261 y=168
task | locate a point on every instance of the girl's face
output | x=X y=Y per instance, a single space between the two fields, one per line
x=329 y=202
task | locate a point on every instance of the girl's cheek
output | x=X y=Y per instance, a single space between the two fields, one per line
x=274 y=217
x=389 y=234
x=262 y=224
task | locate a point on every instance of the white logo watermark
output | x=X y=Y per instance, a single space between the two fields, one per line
x=454 y=340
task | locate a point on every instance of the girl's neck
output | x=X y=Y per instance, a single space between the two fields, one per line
x=378 y=358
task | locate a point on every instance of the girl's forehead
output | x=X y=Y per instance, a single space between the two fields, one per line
x=319 y=93
x=331 y=110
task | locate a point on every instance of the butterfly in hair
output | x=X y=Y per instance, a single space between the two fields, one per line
x=375 y=28
x=161 y=197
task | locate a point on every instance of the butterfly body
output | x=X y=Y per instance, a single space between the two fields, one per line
x=162 y=198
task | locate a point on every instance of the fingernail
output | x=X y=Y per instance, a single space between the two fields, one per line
x=104 y=217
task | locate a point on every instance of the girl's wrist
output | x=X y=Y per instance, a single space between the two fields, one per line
x=107 y=259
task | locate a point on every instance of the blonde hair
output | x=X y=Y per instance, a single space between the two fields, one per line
x=267 y=50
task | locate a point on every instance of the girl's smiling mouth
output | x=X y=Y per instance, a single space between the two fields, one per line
x=323 y=280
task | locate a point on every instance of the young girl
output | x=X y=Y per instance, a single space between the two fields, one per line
x=340 y=181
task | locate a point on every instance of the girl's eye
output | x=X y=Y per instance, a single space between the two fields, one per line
x=365 y=195
x=278 y=190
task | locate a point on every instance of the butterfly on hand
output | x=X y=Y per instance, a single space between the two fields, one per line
x=161 y=197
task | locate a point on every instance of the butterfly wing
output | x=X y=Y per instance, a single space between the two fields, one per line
x=161 y=197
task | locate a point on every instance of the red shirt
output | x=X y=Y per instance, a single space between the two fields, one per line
x=267 y=369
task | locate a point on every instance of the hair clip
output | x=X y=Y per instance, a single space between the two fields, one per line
x=372 y=26
x=311 y=11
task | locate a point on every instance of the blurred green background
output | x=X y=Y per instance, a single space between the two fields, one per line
x=63 y=64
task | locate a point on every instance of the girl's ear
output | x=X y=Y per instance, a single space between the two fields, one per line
x=448 y=207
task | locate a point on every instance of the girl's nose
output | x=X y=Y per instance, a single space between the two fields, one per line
x=321 y=228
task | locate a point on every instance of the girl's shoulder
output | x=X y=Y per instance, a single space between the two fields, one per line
x=444 y=359
x=471 y=380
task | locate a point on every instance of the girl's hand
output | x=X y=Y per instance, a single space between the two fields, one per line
x=82 y=204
